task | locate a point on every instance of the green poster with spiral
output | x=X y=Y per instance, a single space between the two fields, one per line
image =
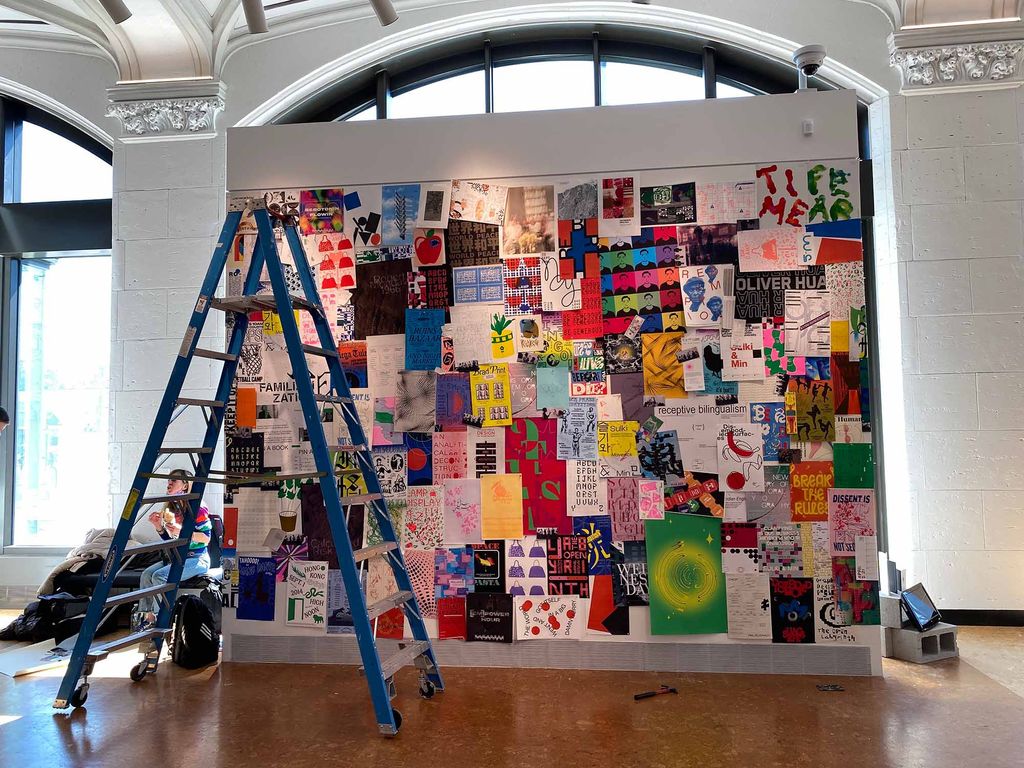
x=684 y=571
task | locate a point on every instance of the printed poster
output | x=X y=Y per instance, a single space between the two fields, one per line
x=577 y=430
x=725 y=202
x=490 y=396
x=489 y=567
x=489 y=617
x=702 y=295
x=808 y=323
x=567 y=566
x=851 y=514
x=740 y=457
x=501 y=511
x=423 y=524
x=475 y=201
x=687 y=586
x=748 y=601
x=796 y=194
x=461 y=512
x=809 y=484
x=619 y=214
x=526 y=566
x=307 y=593
x=550 y=618
x=792 y=603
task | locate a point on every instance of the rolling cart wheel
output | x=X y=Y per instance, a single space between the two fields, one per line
x=427 y=689
x=398 y=720
x=80 y=695
x=138 y=672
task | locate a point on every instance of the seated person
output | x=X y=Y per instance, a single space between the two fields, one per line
x=168 y=523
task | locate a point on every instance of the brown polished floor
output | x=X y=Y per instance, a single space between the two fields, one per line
x=241 y=715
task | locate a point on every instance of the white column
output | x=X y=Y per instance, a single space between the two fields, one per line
x=169 y=197
x=952 y=147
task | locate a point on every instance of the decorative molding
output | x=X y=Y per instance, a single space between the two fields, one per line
x=167 y=110
x=969 y=65
x=676 y=21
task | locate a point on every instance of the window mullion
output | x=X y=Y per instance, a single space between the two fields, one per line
x=597 y=70
x=488 y=78
x=710 y=76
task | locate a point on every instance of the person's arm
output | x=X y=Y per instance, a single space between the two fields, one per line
x=203 y=529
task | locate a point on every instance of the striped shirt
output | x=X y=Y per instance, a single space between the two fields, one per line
x=196 y=548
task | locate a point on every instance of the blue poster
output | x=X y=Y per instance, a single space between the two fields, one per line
x=598 y=532
x=423 y=339
x=256 y=578
x=399 y=203
x=772 y=418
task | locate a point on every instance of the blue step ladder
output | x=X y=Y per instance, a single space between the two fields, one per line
x=379 y=672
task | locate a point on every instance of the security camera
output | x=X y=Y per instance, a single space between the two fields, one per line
x=808 y=60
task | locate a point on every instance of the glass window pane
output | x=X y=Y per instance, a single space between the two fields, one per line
x=61 y=475
x=624 y=83
x=536 y=85
x=370 y=113
x=53 y=168
x=726 y=91
x=458 y=95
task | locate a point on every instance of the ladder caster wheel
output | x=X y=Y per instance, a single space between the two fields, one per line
x=398 y=720
x=138 y=673
x=427 y=689
x=80 y=695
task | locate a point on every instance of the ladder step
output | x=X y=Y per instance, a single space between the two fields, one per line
x=213 y=354
x=377 y=549
x=100 y=652
x=199 y=402
x=156 y=546
x=403 y=657
x=131 y=597
x=238 y=478
x=166 y=451
x=385 y=605
x=309 y=349
x=362 y=498
x=262 y=303
x=333 y=399
x=159 y=499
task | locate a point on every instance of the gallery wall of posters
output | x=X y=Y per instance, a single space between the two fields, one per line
x=630 y=406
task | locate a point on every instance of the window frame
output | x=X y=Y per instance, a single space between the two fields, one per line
x=87 y=230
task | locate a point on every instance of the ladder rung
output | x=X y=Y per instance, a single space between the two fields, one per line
x=385 y=605
x=362 y=498
x=159 y=499
x=156 y=546
x=377 y=549
x=262 y=303
x=403 y=657
x=131 y=597
x=99 y=652
x=213 y=354
x=199 y=402
x=184 y=450
x=333 y=399
x=309 y=349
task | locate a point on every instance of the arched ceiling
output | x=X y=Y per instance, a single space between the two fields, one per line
x=168 y=39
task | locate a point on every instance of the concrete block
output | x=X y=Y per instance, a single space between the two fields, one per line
x=141 y=215
x=950 y=520
x=997 y=285
x=968 y=344
x=147 y=365
x=931 y=176
x=933 y=644
x=1001 y=400
x=962 y=119
x=903 y=217
x=966 y=231
x=994 y=172
x=142 y=314
x=168 y=164
x=939 y=288
x=892 y=612
x=973 y=461
x=180 y=303
x=945 y=402
x=179 y=263
x=1004 y=520
x=196 y=212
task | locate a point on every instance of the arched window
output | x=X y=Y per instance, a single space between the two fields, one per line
x=548 y=70
x=56 y=271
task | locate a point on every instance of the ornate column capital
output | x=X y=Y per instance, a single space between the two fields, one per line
x=166 y=110
x=968 y=56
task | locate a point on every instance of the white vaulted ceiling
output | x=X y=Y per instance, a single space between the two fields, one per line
x=190 y=38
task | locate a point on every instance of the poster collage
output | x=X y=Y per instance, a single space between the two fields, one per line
x=583 y=396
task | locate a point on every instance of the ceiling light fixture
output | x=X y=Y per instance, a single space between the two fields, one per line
x=255 y=17
x=385 y=11
x=117 y=10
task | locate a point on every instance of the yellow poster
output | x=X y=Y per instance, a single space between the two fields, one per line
x=501 y=507
x=663 y=373
x=617 y=438
x=840 y=336
x=490 y=395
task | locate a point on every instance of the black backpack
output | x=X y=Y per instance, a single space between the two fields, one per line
x=195 y=633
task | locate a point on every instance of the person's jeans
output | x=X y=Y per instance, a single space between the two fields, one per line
x=158 y=573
